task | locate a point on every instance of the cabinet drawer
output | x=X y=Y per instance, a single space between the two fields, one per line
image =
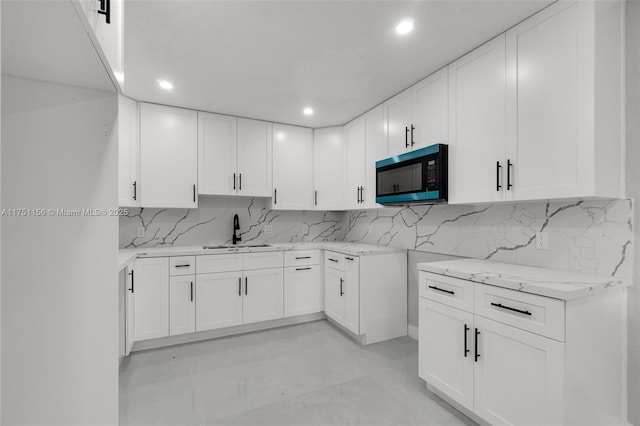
x=182 y=265
x=263 y=260
x=334 y=260
x=537 y=314
x=218 y=263
x=450 y=291
x=301 y=257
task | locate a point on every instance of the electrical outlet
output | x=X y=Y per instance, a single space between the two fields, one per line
x=140 y=232
x=268 y=229
x=542 y=240
x=305 y=229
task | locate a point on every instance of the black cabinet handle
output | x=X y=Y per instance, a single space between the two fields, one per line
x=303 y=257
x=348 y=258
x=246 y=286
x=501 y=306
x=106 y=11
x=333 y=260
x=442 y=290
x=234 y=181
x=509 y=164
x=194 y=192
x=239 y=286
x=316 y=197
x=192 y=291
x=302 y=269
x=406 y=137
x=466 y=347
x=412 y=141
x=341 y=290
x=362 y=194
x=498 y=167
x=477 y=355
x=131 y=289
x=358 y=194
x=240 y=182
x=275 y=196
x=135 y=190
x=186 y=265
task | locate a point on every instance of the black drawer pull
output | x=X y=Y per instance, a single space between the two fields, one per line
x=333 y=260
x=302 y=269
x=501 y=306
x=183 y=266
x=348 y=258
x=442 y=290
x=303 y=257
x=466 y=348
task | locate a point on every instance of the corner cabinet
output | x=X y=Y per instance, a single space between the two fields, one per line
x=168 y=157
x=512 y=358
x=329 y=168
x=292 y=168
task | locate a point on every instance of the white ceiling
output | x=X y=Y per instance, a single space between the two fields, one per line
x=45 y=40
x=269 y=59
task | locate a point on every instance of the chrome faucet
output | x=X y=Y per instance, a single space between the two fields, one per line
x=236 y=227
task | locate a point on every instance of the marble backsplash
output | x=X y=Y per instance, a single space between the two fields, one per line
x=591 y=236
x=212 y=223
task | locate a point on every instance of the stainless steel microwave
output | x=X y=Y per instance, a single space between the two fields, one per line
x=418 y=176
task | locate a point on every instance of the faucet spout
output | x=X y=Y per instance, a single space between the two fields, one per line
x=236 y=227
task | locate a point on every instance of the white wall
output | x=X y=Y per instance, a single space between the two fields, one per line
x=59 y=280
x=633 y=190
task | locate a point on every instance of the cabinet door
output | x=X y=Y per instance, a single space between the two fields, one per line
x=329 y=169
x=518 y=377
x=375 y=149
x=446 y=350
x=549 y=66
x=168 y=156
x=356 y=151
x=182 y=306
x=254 y=158
x=398 y=113
x=128 y=145
x=292 y=168
x=431 y=110
x=263 y=298
x=477 y=124
x=219 y=301
x=216 y=154
x=151 y=290
x=352 y=293
x=335 y=305
x=130 y=310
x=302 y=290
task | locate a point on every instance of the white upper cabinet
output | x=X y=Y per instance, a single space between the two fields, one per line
x=128 y=170
x=292 y=168
x=106 y=25
x=399 y=127
x=217 y=154
x=329 y=168
x=430 y=110
x=168 y=156
x=356 y=151
x=234 y=156
x=254 y=158
x=375 y=149
x=477 y=84
x=565 y=102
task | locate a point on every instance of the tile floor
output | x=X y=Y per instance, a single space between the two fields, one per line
x=308 y=374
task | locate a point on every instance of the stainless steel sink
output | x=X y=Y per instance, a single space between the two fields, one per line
x=232 y=246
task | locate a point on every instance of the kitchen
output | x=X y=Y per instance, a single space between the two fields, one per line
x=315 y=192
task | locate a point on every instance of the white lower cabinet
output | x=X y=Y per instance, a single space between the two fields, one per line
x=151 y=289
x=507 y=360
x=335 y=305
x=182 y=307
x=302 y=290
x=219 y=301
x=130 y=310
x=263 y=295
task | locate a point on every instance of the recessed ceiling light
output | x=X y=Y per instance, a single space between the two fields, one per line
x=307 y=111
x=405 y=26
x=164 y=84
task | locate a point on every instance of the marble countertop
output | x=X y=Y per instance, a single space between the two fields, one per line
x=127 y=255
x=544 y=282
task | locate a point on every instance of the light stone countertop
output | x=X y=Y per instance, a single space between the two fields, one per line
x=544 y=282
x=125 y=256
